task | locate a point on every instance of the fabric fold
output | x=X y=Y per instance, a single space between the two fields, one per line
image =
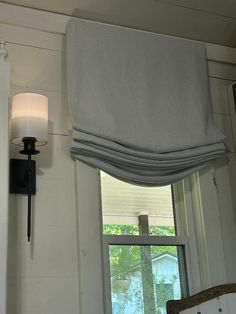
x=139 y=103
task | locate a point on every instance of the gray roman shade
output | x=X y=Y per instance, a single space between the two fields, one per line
x=139 y=103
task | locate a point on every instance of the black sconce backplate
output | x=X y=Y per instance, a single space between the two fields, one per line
x=19 y=176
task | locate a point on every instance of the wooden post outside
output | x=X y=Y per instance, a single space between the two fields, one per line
x=146 y=269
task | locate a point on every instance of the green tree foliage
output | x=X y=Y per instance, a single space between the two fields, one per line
x=125 y=264
x=125 y=258
x=134 y=230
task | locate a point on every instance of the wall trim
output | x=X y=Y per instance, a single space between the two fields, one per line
x=4 y=162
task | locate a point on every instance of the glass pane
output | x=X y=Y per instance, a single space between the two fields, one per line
x=144 y=278
x=122 y=203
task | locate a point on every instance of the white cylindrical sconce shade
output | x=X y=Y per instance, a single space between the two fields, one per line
x=29 y=118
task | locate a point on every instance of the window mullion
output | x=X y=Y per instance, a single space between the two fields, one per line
x=146 y=240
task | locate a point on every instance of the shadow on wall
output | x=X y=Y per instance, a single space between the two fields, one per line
x=19 y=250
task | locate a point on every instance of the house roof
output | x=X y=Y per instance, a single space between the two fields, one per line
x=164 y=255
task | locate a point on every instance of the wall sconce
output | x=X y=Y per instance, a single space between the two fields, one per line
x=29 y=128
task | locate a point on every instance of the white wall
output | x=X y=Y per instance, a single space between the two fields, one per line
x=43 y=276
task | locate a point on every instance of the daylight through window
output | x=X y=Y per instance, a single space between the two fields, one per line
x=145 y=262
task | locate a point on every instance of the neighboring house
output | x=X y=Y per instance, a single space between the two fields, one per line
x=166 y=286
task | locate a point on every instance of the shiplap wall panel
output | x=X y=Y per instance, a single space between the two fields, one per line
x=219 y=90
x=210 y=238
x=49 y=267
x=38 y=65
x=223 y=122
x=225 y=118
x=34 y=67
x=225 y=185
x=223 y=71
x=30 y=37
x=221 y=53
x=43 y=276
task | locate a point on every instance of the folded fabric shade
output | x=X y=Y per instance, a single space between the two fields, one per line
x=139 y=103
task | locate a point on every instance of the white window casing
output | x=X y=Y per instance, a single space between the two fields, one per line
x=4 y=162
x=89 y=226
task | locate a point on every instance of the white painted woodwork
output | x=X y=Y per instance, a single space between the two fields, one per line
x=225 y=304
x=212 y=229
x=4 y=156
x=37 y=68
x=194 y=193
x=89 y=230
x=221 y=53
x=223 y=122
x=30 y=18
x=56 y=23
x=225 y=71
x=185 y=214
x=201 y=20
x=219 y=95
x=216 y=6
x=225 y=189
x=32 y=37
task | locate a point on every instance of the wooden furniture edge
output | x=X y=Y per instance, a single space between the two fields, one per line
x=176 y=306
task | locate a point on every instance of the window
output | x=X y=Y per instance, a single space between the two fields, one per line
x=144 y=255
x=123 y=203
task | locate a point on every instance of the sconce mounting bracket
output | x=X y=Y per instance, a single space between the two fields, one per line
x=19 y=176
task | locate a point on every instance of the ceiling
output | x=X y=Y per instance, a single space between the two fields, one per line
x=205 y=20
x=121 y=202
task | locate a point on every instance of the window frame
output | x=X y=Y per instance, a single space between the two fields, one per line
x=146 y=240
x=185 y=226
x=201 y=222
x=183 y=199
